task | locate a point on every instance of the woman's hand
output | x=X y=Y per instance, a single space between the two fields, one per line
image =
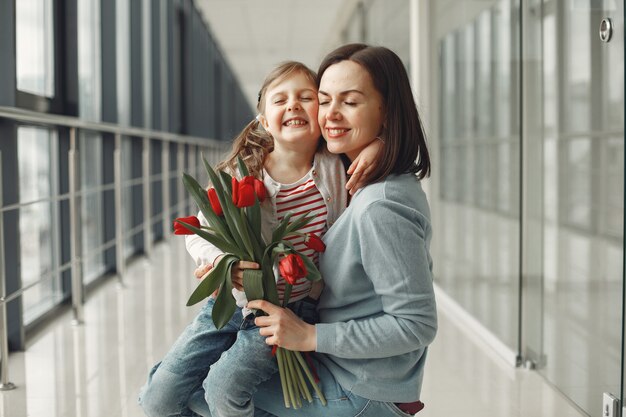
x=363 y=165
x=236 y=272
x=283 y=328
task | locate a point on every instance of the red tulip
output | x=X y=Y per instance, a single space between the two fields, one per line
x=292 y=268
x=259 y=189
x=215 y=202
x=180 y=229
x=313 y=241
x=243 y=192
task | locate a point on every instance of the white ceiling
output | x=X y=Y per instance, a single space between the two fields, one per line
x=255 y=35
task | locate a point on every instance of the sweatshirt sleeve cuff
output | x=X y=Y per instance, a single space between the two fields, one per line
x=325 y=334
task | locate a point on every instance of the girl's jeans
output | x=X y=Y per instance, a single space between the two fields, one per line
x=227 y=365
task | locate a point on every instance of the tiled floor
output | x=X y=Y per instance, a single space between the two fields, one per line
x=96 y=369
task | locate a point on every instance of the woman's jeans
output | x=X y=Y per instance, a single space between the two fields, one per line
x=221 y=368
x=268 y=401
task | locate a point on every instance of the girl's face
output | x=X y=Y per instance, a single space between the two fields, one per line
x=351 y=110
x=290 y=114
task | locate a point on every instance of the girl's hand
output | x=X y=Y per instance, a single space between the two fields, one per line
x=363 y=165
x=283 y=328
x=236 y=272
x=202 y=271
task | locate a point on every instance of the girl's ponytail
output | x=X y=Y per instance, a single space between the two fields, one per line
x=252 y=145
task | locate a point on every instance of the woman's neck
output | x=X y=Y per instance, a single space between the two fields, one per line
x=287 y=165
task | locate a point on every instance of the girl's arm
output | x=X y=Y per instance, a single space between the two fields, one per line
x=202 y=252
x=363 y=165
x=206 y=256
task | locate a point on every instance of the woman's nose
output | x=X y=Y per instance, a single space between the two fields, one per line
x=333 y=113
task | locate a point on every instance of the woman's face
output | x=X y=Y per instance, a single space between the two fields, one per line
x=351 y=110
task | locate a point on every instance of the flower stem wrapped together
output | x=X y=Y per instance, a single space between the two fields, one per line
x=232 y=209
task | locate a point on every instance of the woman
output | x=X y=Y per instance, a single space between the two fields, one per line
x=377 y=311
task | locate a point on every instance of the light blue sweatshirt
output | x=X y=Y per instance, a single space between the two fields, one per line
x=377 y=310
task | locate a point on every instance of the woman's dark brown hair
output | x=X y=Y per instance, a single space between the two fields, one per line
x=404 y=148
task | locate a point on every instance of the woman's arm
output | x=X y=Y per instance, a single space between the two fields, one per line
x=395 y=259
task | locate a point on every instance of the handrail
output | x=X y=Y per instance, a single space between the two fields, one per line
x=28 y=116
x=75 y=197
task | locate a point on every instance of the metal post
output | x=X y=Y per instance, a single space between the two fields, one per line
x=119 y=221
x=5 y=385
x=147 y=198
x=165 y=188
x=75 y=237
x=180 y=168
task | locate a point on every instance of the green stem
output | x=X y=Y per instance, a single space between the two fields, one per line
x=306 y=370
x=281 y=371
x=293 y=378
x=303 y=384
x=289 y=381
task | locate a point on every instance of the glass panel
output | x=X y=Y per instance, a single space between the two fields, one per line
x=583 y=201
x=128 y=209
x=122 y=50
x=92 y=221
x=34 y=46
x=38 y=259
x=89 y=65
x=479 y=164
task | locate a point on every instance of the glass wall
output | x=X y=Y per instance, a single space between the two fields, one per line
x=35 y=46
x=479 y=171
x=582 y=195
x=99 y=61
x=38 y=220
x=531 y=182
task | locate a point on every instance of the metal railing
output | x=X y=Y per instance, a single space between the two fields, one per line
x=212 y=150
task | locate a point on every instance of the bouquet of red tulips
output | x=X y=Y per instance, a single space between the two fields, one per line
x=232 y=209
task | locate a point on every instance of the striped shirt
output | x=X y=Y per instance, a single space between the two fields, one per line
x=298 y=199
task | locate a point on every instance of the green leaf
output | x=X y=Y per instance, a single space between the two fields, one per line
x=269 y=281
x=226 y=201
x=227 y=182
x=253 y=284
x=215 y=239
x=279 y=231
x=225 y=303
x=287 y=294
x=212 y=282
x=243 y=169
x=199 y=195
x=299 y=223
x=313 y=274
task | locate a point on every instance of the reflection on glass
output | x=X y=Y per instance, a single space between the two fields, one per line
x=89 y=79
x=127 y=196
x=583 y=202
x=37 y=256
x=122 y=51
x=92 y=221
x=479 y=166
x=34 y=46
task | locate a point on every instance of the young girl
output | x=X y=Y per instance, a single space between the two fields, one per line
x=282 y=147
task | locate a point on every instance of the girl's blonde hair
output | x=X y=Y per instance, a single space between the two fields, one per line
x=254 y=143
